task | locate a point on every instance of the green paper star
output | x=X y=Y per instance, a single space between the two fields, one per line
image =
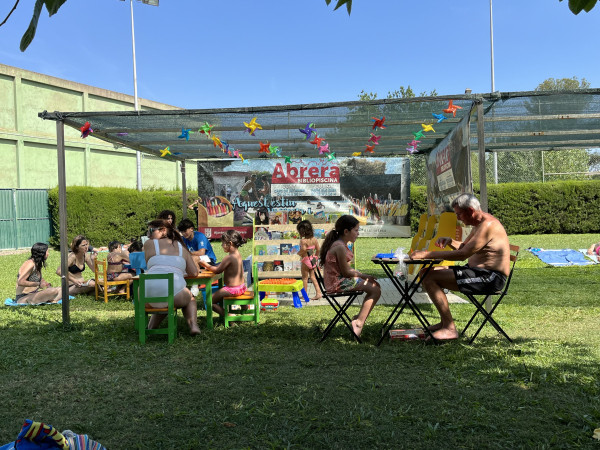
x=206 y=128
x=331 y=156
x=288 y=159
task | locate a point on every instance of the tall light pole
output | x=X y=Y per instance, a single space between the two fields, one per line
x=138 y=155
x=492 y=45
x=493 y=82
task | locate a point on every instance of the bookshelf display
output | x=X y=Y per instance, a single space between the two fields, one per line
x=275 y=249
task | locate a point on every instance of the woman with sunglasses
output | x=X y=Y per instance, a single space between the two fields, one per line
x=165 y=254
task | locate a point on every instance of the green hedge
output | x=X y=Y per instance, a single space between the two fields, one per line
x=109 y=214
x=534 y=208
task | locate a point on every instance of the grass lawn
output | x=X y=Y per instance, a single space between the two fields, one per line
x=273 y=385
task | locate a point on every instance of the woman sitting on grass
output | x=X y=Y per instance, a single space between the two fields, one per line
x=165 y=253
x=32 y=289
x=76 y=262
x=339 y=276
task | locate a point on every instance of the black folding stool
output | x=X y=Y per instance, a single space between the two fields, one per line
x=514 y=252
x=340 y=310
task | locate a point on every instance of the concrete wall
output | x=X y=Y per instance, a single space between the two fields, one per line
x=28 y=143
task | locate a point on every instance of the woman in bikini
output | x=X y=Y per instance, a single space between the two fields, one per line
x=339 y=276
x=32 y=289
x=76 y=262
x=309 y=251
x=232 y=266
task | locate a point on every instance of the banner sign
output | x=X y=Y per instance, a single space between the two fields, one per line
x=319 y=178
x=449 y=169
x=375 y=190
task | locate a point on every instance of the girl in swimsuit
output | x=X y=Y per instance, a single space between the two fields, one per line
x=339 y=276
x=165 y=253
x=233 y=277
x=114 y=263
x=31 y=286
x=309 y=250
x=594 y=250
x=76 y=262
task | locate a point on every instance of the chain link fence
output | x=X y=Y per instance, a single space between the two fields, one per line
x=527 y=166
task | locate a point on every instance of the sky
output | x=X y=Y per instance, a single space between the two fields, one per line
x=238 y=53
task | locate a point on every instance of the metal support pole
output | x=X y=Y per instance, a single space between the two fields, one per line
x=493 y=82
x=483 y=198
x=62 y=215
x=495 y=167
x=138 y=155
x=481 y=145
x=183 y=190
x=492 y=46
x=543 y=171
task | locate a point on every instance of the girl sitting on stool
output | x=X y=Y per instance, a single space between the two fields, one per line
x=232 y=266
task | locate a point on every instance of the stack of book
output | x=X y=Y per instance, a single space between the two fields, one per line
x=408 y=334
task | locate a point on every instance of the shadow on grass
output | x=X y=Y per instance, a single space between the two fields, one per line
x=278 y=386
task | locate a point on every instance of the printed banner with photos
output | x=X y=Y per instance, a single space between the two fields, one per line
x=285 y=191
x=449 y=169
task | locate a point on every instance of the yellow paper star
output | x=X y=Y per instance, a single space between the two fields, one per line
x=216 y=141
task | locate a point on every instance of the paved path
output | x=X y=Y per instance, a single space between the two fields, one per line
x=389 y=296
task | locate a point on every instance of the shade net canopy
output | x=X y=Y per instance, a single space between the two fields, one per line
x=542 y=120
x=513 y=121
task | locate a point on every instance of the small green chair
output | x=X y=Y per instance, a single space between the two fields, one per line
x=142 y=310
x=247 y=298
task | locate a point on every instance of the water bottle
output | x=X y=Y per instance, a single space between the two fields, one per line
x=400 y=271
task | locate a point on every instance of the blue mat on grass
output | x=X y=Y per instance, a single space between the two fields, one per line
x=11 y=302
x=561 y=257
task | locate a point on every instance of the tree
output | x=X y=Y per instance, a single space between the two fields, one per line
x=402 y=92
x=52 y=6
x=530 y=166
x=576 y=6
x=564 y=84
x=348 y=4
x=418 y=163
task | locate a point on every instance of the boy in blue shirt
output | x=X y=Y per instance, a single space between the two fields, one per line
x=196 y=242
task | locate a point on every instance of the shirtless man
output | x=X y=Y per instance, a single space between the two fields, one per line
x=488 y=253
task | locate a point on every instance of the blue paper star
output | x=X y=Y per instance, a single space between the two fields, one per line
x=185 y=133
